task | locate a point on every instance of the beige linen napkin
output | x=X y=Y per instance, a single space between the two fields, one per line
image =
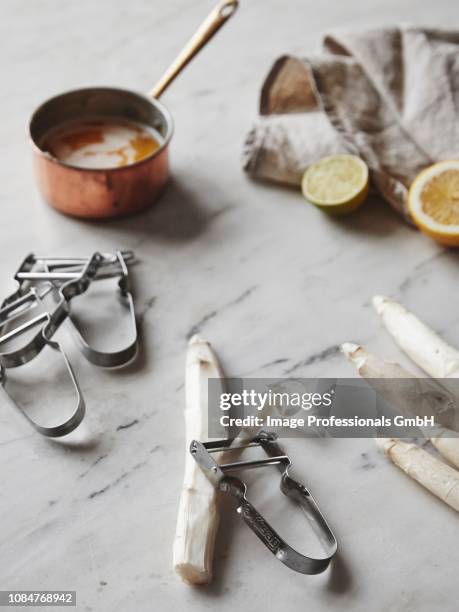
x=389 y=95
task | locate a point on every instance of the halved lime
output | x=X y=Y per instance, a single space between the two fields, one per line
x=337 y=184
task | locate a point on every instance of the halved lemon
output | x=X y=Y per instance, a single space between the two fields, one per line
x=433 y=202
x=337 y=184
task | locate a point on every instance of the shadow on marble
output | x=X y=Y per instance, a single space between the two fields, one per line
x=82 y=439
x=450 y=255
x=176 y=217
x=374 y=218
x=340 y=577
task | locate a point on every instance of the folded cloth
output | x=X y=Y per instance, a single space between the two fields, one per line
x=389 y=95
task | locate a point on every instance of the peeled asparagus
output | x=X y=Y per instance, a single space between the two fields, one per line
x=198 y=516
x=419 y=342
x=373 y=368
x=376 y=371
x=447 y=444
x=437 y=358
x=434 y=475
x=425 y=397
x=197 y=520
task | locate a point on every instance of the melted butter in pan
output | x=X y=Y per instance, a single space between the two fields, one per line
x=101 y=143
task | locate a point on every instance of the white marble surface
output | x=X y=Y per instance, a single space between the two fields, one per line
x=268 y=279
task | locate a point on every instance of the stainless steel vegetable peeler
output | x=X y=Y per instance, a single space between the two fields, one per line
x=27 y=325
x=39 y=340
x=39 y=275
x=218 y=476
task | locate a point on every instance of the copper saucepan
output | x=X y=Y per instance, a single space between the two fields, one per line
x=112 y=192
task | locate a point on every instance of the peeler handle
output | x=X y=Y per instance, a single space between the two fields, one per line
x=213 y=22
x=272 y=540
x=278 y=547
x=261 y=528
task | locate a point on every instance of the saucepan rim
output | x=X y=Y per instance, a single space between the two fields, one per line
x=169 y=122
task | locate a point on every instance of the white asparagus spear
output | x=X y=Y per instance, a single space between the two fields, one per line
x=373 y=368
x=197 y=520
x=406 y=398
x=419 y=342
x=437 y=477
x=198 y=517
x=447 y=444
x=429 y=352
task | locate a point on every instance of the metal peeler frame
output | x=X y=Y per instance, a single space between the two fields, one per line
x=66 y=268
x=62 y=429
x=66 y=278
x=60 y=272
x=48 y=323
x=111 y=359
x=218 y=476
x=31 y=350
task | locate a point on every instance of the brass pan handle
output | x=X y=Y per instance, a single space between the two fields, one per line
x=210 y=26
